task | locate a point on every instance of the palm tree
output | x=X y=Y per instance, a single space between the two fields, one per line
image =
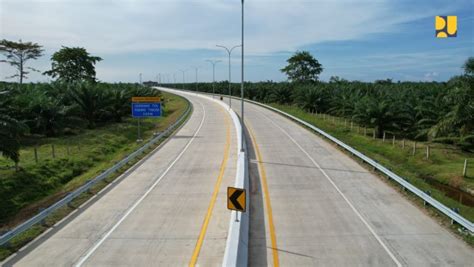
x=281 y=94
x=120 y=99
x=377 y=112
x=343 y=102
x=312 y=98
x=10 y=132
x=92 y=101
x=458 y=123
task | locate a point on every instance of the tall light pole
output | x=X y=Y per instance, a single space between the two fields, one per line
x=229 y=51
x=213 y=62
x=196 y=83
x=183 y=71
x=242 y=85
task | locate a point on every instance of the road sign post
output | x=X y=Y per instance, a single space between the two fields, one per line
x=145 y=107
x=236 y=200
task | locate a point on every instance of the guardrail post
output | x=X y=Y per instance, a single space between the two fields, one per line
x=43 y=221
x=428 y=192
x=36 y=155
x=414 y=148
x=428 y=152
x=464 y=171
x=457 y=211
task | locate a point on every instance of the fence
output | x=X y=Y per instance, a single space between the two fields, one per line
x=413 y=148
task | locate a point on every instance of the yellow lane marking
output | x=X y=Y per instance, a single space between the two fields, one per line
x=205 y=224
x=263 y=175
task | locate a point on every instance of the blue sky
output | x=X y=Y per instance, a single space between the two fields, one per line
x=354 y=39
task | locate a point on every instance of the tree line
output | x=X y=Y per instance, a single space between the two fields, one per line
x=57 y=108
x=426 y=111
x=73 y=101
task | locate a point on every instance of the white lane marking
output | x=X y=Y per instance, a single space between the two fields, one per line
x=339 y=191
x=104 y=237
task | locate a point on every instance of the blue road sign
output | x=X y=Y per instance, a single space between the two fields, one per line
x=142 y=110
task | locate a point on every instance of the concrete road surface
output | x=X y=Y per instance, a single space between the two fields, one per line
x=312 y=205
x=170 y=211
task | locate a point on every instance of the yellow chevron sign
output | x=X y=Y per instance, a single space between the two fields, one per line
x=236 y=199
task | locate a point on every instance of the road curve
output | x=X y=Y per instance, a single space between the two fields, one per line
x=312 y=205
x=171 y=210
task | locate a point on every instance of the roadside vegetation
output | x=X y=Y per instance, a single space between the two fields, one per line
x=70 y=134
x=56 y=136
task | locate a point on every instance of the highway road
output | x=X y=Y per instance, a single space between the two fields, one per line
x=312 y=205
x=171 y=210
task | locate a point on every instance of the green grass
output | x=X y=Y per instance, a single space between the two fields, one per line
x=444 y=165
x=78 y=158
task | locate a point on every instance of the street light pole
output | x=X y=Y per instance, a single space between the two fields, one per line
x=242 y=85
x=229 y=51
x=213 y=62
x=196 y=83
x=183 y=71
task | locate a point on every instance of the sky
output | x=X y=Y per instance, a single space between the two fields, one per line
x=361 y=40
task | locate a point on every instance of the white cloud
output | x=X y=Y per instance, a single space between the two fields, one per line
x=123 y=26
x=111 y=28
x=430 y=76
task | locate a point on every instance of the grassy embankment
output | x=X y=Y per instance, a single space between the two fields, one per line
x=78 y=158
x=444 y=166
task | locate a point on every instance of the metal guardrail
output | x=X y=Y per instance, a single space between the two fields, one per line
x=425 y=197
x=454 y=216
x=5 y=238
